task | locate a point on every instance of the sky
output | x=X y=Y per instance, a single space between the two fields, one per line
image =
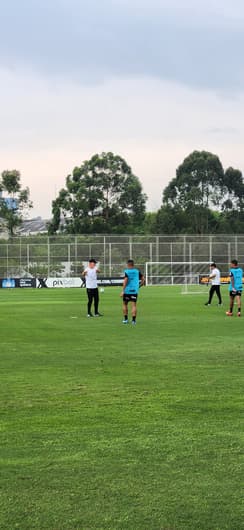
x=150 y=80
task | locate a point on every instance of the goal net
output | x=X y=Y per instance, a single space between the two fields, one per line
x=191 y=276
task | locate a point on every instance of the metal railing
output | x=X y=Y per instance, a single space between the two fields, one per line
x=61 y=256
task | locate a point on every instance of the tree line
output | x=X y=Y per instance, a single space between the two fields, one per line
x=104 y=196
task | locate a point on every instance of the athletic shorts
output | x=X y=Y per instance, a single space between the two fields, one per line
x=235 y=293
x=129 y=298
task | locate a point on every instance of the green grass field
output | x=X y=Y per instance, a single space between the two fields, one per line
x=106 y=426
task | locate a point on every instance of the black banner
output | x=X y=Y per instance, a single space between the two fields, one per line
x=110 y=281
x=26 y=282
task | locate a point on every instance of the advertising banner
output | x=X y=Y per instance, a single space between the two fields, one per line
x=7 y=283
x=58 y=282
x=43 y=283
x=75 y=282
x=204 y=279
x=11 y=283
x=25 y=282
x=110 y=281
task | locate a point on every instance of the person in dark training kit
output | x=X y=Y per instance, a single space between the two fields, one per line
x=90 y=275
x=235 y=287
x=133 y=279
x=214 y=278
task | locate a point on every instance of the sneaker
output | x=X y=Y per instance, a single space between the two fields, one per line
x=133 y=322
x=89 y=315
x=207 y=303
x=239 y=314
x=98 y=315
x=219 y=305
x=125 y=321
x=229 y=314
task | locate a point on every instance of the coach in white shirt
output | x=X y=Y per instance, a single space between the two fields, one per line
x=90 y=274
x=214 y=278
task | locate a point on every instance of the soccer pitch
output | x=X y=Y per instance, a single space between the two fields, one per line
x=106 y=426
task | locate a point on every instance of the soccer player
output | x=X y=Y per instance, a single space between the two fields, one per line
x=133 y=279
x=235 y=287
x=90 y=275
x=214 y=278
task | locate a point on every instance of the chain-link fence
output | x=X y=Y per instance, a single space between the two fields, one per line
x=65 y=255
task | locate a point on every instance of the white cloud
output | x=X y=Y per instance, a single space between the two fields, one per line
x=151 y=81
x=195 y=43
x=49 y=128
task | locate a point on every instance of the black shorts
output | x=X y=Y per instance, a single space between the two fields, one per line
x=235 y=293
x=129 y=298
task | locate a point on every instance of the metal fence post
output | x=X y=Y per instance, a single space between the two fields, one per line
x=184 y=252
x=48 y=256
x=104 y=254
x=130 y=247
x=28 y=257
x=110 y=259
x=69 y=260
x=76 y=256
x=210 y=248
x=229 y=253
x=171 y=258
x=157 y=248
x=190 y=257
x=20 y=249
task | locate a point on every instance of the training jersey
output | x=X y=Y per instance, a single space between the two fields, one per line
x=133 y=284
x=216 y=279
x=237 y=275
x=91 y=277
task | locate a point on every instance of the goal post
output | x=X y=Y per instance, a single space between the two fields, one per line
x=187 y=274
x=193 y=285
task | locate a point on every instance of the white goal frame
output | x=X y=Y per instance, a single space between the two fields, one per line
x=187 y=275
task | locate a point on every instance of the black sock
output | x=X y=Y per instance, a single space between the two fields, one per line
x=125 y=317
x=239 y=309
x=133 y=319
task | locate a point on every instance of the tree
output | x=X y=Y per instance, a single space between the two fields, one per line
x=199 y=180
x=14 y=200
x=201 y=188
x=149 y=225
x=102 y=195
x=171 y=220
x=235 y=188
